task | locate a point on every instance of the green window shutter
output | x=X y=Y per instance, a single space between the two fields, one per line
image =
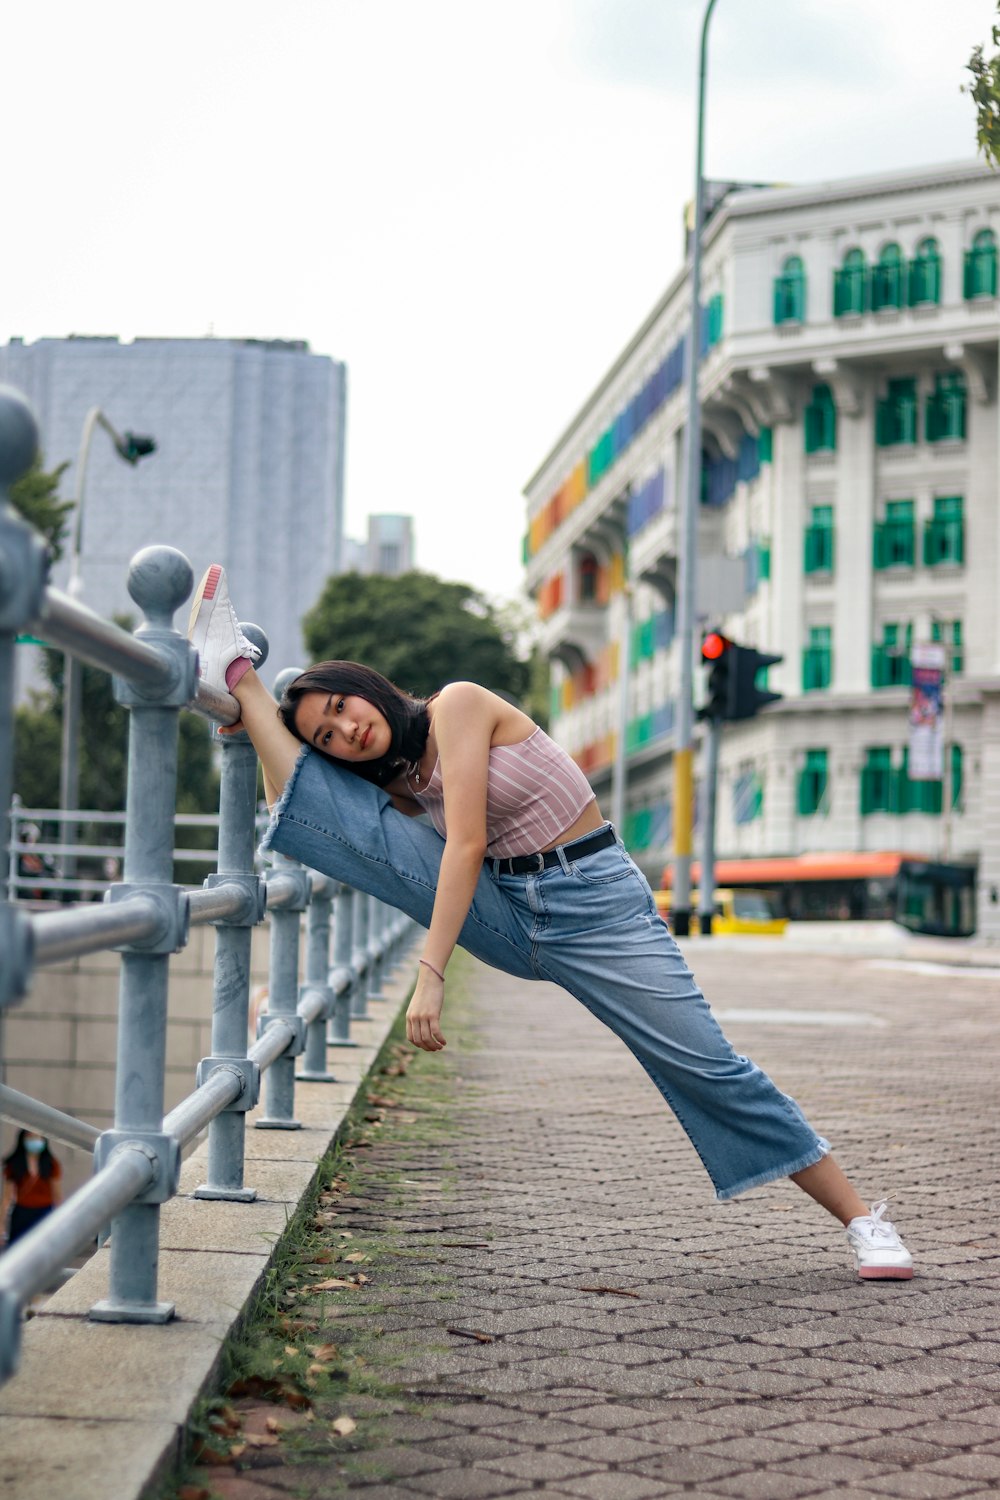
x=896 y=414
x=925 y=274
x=812 y=784
x=876 y=778
x=945 y=408
x=715 y=318
x=821 y=421
x=764 y=560
x=894 y=536
x=944 y=533
x=819 y=541
x=790 y=292
x=980 y=278
x=887 y=280
x=765 y=445
x=956 y=769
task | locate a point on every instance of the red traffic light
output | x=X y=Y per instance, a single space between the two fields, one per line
x=714 y=645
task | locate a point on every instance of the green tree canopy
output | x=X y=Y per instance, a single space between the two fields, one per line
x=985 y=91
x=418 y=630
x=103 y=747
x=36 y=496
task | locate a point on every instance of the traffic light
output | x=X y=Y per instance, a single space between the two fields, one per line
x=718 y=653
x=749 y=698
x=732 y=679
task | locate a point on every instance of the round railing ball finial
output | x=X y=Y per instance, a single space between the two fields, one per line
x=18 y=435
x=257 y=638
x=160 y=579
x=284 y=679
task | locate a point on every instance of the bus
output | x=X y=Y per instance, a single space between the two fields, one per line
x=923 y=895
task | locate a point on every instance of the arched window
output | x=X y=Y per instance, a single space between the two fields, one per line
x=887 y=279
x=925 y=274
x=850 y=285
x=981 y=266
x=790 y=292
x=821 y=421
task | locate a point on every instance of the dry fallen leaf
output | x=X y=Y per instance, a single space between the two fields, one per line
x=323 y=1351
x=344 y=1426
x=262 y=1439
x=357 y=1255
x=332 y=1283
x=291 y=1349
x=273 y=1425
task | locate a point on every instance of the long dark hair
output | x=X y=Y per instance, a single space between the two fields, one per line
x=17 y=1161
x=406 y=716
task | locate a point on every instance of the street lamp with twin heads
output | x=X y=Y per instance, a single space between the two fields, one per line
x=130 y=446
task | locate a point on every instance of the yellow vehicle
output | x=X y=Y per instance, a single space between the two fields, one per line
x=742 y=911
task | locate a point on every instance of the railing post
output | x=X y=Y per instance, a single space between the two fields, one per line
x=359 y=957
x=23 y=569
x=342 y=974
x=283 y=996
x=317 y=979
x=231 y=982
x=159 y=580
x=376 y=948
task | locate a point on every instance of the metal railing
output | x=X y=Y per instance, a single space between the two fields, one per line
x=46 y=842
x=146 y=917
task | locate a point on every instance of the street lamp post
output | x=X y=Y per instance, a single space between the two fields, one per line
x=683 y=749
x=131 y=447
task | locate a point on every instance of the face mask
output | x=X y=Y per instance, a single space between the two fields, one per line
x=34 y=1144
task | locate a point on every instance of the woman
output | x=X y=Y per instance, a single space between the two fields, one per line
x=521 y=869
x=31 y=1186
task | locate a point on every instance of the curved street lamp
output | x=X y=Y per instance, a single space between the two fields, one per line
x=131 y=447
x=683 y=745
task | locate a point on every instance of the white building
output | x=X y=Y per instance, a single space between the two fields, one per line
x=248 y=469
x=848 y=382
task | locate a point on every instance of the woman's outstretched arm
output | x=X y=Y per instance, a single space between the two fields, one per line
x=464 y=721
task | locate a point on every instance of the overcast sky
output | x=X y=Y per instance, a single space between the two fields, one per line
x=472 y=205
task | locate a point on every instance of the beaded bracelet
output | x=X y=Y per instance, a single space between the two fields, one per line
x=430 y=966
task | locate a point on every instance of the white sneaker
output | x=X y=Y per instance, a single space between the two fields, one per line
x=879 y=1253
x=214 y=631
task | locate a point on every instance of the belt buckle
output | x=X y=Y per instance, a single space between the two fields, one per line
x=540 y=863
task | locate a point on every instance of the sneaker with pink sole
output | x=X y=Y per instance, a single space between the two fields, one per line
x=879 y=1253
x=224 y=653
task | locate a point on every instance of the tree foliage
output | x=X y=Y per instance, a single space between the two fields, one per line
x=36 y=496
x=985 y=91
x=418 y=630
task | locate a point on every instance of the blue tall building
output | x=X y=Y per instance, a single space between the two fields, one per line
x=248 y=469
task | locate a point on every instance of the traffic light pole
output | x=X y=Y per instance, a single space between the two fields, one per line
x=683 y=745
x=709 y=781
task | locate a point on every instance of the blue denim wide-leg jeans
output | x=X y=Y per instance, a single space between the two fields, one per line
x=591 y=927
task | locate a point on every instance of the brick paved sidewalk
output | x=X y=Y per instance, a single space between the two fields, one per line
x=644 y=1340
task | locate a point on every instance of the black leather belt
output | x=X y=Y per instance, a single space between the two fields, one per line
x=534 y=864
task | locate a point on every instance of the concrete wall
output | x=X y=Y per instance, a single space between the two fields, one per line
x=59 y=1045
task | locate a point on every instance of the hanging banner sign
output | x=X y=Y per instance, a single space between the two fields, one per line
x=926 y=758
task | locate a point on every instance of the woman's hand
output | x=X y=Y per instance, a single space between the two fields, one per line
x=423 y=1015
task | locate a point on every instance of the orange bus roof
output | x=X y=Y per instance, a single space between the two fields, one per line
x=798 y=867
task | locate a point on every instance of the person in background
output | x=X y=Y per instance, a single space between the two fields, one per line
x=31 y=1185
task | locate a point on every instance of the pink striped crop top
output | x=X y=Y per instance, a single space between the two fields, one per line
x=534 y=792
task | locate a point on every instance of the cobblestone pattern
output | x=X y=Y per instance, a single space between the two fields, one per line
x=647 y=1341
